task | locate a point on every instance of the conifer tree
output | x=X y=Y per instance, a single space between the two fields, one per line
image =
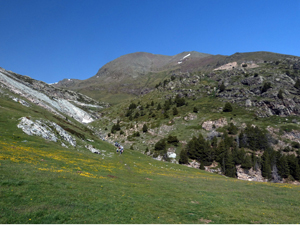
x=145 y=128
x=266 y=166
x=158 y=106
x=230 y=170
x=175 y=111
x=227 y=107
x=280 y=94
x=183 y=157
x=283 y=167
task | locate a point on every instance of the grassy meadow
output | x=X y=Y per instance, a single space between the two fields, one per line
x=42 y=182
x=50 y=184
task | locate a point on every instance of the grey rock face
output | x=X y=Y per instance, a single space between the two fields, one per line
x=92 y=149
x=37 y=128
x=46 y=130
x=54 y=105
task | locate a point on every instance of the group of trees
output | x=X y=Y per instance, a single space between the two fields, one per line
x=169 y=106
x=230 y=151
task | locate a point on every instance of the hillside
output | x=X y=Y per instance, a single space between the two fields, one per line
x=130 y=75
x=43 y=182
x=239 y=114
x=193 y=141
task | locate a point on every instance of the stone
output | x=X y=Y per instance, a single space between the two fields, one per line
x=248 y=103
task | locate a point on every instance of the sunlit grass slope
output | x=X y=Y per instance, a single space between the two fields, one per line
x=56 y=185
x=42 y=182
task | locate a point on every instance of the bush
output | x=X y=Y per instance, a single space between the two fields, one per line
x=232 y=129
x=173 y=140
x=280 y=94
x=227 y=107
x=160 y=145
x=175 y=111
x=265 y=87
x=145 y=128
x=183 y=157
x=132 y=106
x=195 y=110
x=222 y=87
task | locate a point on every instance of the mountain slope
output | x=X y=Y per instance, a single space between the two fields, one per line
x=129 y=75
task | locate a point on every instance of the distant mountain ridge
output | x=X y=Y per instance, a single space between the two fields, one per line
x=128 y=70
x=138 y=73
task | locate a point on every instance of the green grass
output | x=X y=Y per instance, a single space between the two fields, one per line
x=44 y=185
x=42 y=182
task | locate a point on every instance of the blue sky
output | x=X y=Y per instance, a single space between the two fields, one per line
x=50 y=40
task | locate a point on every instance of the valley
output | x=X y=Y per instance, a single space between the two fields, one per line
x=207 y=138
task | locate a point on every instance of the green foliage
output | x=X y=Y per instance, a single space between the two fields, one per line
x=160 y=145
x=232 y=129
x=253 y=138
x=183 y=157
x=136 y=115
x=222 y=87
x=115 y=127
x=266 y=165
x=145 y=128
x=195 y=110
x=173 y=140
x=158 y=106
x=180 y=101
x=227 y=107
x=280 y=94
x=132 y=106
x=175 y=111
x=200 y=149
x=266 y=86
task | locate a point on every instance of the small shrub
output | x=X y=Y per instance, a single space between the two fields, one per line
x=173 y=140
x=280 y=94
x=227 y=107
x=265 y=87
x=160 y=145
x=145 y=128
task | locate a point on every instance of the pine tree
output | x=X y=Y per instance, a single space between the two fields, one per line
x=222 y=87
x=183 y=157
x=230 y=170
x=283 y=167
x=158 y=106
x=280 y=94
x=227 y=107
x=266 y=166
x=175 y=111
x=145 y=128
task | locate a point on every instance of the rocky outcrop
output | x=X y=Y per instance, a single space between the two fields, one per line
x=210 y=125
x=92 y=149
x=47 y=130
x=250 y=175
x=54 y=105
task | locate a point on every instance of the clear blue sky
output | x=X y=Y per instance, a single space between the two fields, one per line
x=50 y=40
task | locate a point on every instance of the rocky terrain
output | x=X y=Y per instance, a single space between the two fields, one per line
x=178 y=98
x=53 y=99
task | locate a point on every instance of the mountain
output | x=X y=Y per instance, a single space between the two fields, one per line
x=130 y=75
x=228 y=107
x=233 y=119
x=137 y=73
